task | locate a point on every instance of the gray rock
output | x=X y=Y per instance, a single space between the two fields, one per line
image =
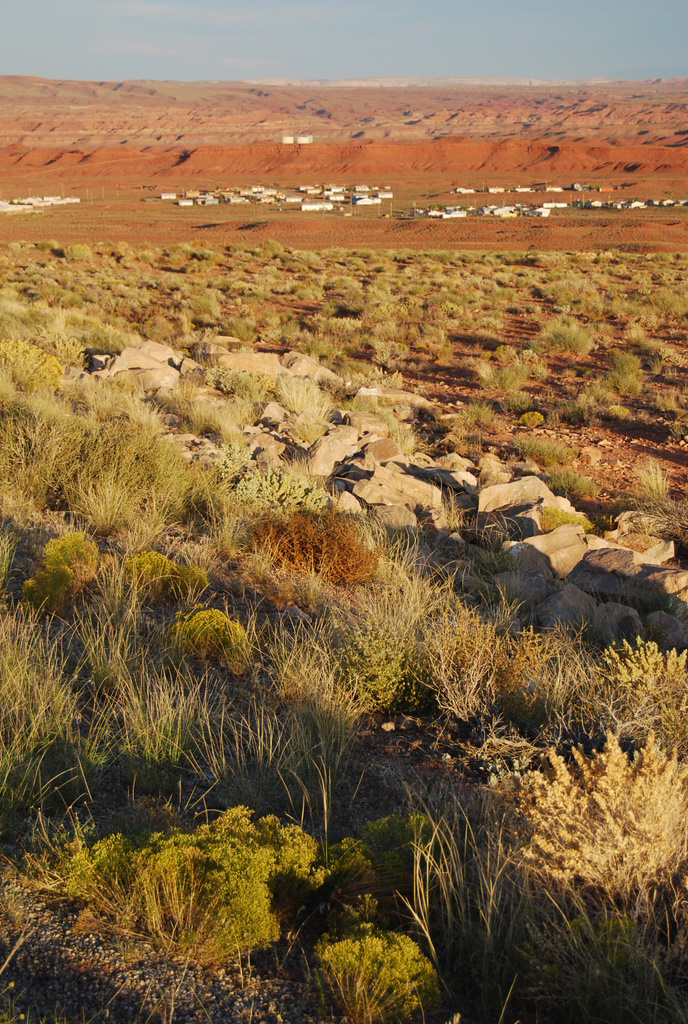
x=349 y=435
x=263 y=364
x=618 y=622
x=325 y=453
x=667 y=630
x=156 y=350
x=395 y=517
x=568 y=607
x=301 y=365
x=528 y=586
x=273 y=415
x=557 y=551
x=367 y=423
x=381 y=450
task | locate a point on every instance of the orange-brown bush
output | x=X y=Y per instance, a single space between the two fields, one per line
x=306 y=543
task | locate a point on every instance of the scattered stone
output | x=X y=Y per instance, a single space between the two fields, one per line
x=667 y=630
x=528 y=586
x=568 y=607
x=618 y=622
x=273 y=415
x=387 y=726
x=367 y=423
x=262 y=364
x=301 y=365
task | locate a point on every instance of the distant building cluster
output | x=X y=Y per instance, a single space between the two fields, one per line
x=543 y=209
x=33 y=204
x=310 y=198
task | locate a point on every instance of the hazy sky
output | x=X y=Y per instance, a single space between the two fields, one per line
x=228 y=39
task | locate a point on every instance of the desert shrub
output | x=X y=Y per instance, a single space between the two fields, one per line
x=625 y=373
x=78 y=252
x=29 y=367
x=565 y=335
x=648 y=689
x=531 y=419
x=571 y=484
x=386 y=669
x=160 y=579
x=610 y=827
x=306 y=543
x=311 y=405
x=546 y=452
x=207 y=634
x=377 y=976
x=242 y=385
x=69 y=564
x=215 y=891
x=550 y=518
x=279 y=490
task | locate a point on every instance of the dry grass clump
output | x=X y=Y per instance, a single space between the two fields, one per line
x=565 y=334
x=329 y=545
x=611 y=827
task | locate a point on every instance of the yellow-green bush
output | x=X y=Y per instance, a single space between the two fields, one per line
x=531 y=419
x=160 y=579
x=69 y=563
x=29 y=367
x=377 y=976
x=388 y=671
x=208 y=634
x=217 y=890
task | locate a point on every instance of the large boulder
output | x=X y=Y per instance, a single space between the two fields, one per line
x=301 y=365
x=556 y=552
x=616 y=621
x=327 y=452
x=262 y=364
x=527 y=586
x=367 y=423
x=568 y=607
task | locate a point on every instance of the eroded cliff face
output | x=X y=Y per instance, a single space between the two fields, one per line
x=63 y=114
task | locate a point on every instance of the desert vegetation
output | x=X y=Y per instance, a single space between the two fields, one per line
x=336 y=654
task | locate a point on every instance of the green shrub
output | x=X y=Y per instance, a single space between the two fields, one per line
x=279 y=489
x=550 y=518
x=207 y=634
x=377 y=976
x=565 y=335
x=160 y=579
x=29 y=367
x=387 y=671
x=69 y=563
x=571 y=484
x=78 y=252
x=531 y=419
x=547 y=453
x=216 y=891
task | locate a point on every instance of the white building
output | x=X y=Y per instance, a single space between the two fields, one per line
x=316 y=207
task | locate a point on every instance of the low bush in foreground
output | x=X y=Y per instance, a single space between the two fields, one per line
x=375 y=976
x=215 y=891
x=207 y=634
x=69 y=564
x=158 y=578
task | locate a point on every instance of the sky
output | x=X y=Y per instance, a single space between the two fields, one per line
x=192 y=40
